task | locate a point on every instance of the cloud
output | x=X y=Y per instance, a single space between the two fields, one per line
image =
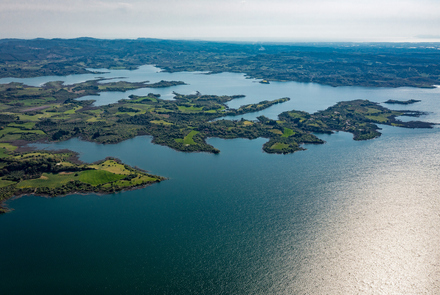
x=257 y=19
x=65 y=6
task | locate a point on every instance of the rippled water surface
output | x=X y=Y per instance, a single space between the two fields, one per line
x=345 y=217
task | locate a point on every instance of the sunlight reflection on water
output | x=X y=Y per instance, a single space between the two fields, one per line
x=384 y=236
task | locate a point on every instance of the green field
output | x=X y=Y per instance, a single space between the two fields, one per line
x=379 y=118
x=48 y=180
x=279 y=146
x=189 y=138
x=161 y=122
x=97 y=177
x=372 y=111
x=190 y=109
x=288 y=132
x=276 y=131
x=8 y=146
x=3 y=153
x=113 y=167
x=72 y=111
x=27 y=125
x=4 y=183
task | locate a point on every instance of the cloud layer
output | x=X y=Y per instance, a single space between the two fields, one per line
x=282 y=20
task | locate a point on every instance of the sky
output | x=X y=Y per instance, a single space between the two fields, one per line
x=233 y=20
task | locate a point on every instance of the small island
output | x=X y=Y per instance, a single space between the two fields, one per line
x=163 y=84
x=404 y=102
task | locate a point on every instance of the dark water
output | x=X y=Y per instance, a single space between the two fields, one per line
x=341 y=218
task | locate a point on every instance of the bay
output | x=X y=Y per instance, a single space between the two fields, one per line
x=345 y=217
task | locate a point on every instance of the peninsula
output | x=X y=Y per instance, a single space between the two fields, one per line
x=57 y=173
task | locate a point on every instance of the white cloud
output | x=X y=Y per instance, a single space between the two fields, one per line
x=257 y=19
x=64 y=6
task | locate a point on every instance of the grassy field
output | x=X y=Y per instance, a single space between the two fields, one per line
x=4 y=183
x=161 y=122
x=33 y=155
x=13 y=130
x=3 y=153
x=7 y=146
x=48 y=180
x=113 y=167
x=94 y=119
x=72 y=111
x=279 y=146
x=190 y=109
x=372 y=111
x=189 y=138
x=378 y=118
x=288 y=132
x=141 y=98
x=97 y=177
x=27 y=125
x=276 y=131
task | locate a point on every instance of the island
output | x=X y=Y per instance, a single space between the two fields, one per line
x=404 y=102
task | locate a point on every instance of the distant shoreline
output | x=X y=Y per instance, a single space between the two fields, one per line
x=334 y=64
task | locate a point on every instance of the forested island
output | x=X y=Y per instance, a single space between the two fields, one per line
x=51 y=112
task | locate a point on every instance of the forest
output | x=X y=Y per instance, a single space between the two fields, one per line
x=335 y=64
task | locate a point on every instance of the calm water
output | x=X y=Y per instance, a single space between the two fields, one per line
x=341 y=218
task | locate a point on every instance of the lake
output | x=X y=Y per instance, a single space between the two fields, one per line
x=345 y=217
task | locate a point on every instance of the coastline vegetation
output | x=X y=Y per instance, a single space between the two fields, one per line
x=51 y=112
x=60 y=173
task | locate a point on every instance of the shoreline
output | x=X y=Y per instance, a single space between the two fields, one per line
x=6 y=209
x=209 y=72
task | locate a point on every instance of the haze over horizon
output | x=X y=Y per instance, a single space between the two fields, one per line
x=232 y=20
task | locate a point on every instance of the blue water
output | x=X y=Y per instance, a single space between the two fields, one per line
x=345 y=217
x=307 y=97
